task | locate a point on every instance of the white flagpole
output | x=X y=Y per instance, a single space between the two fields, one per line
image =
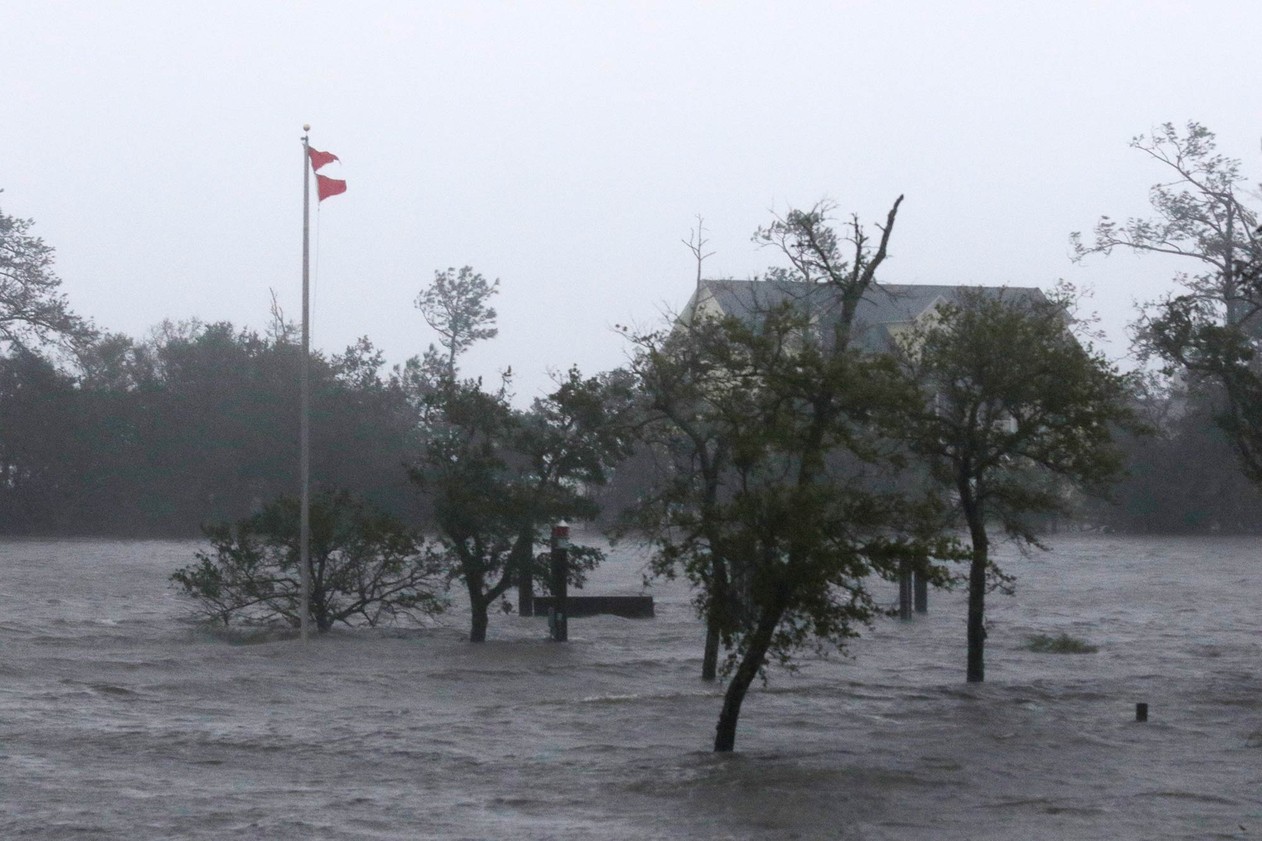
x=304 y=445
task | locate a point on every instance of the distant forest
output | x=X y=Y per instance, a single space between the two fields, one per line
x=199 y=424
x=1185 y=478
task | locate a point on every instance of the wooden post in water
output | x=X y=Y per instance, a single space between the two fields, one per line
x=558 y=617
x=525 y=593
x=904 y=590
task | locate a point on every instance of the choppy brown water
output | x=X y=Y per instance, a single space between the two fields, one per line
x=120 y=719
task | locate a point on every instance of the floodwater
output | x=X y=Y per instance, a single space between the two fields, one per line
x=121 y=718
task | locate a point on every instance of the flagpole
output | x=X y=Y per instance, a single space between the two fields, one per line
x=304 y=434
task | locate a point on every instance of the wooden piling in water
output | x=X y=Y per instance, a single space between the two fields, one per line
x=558 y=618
x=525 y=593
x=904 y=591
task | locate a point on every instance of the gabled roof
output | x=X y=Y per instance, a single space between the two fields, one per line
x=883 y=308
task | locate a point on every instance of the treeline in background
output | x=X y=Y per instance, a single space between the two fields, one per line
x=197 y=424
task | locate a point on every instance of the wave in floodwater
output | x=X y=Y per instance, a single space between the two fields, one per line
x=123 y=718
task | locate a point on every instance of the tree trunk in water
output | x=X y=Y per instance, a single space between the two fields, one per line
x=975 y=515
x=318 y=611
x=720 y=599
x=977 y=614
x=478 y=604
x=710 y=660
x=755 y=653
x=477 y=632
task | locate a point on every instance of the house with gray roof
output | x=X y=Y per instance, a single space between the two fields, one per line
x=886 y=309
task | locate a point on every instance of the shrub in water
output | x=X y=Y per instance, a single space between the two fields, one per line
x=366 y=567
x=1061 y=644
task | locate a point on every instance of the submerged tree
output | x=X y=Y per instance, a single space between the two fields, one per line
x=679 y=375
x=366 y=567
x=780 y=510
x=1013 y=407
x=498 y=477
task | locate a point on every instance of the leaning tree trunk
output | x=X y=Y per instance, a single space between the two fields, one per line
x=755 y=654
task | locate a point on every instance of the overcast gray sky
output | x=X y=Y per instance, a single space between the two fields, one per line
x=566 y=148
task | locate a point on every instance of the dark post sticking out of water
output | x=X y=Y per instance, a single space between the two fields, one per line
x=558 y=611
x=904 y=590
x=525 y=593
x=1141 y=712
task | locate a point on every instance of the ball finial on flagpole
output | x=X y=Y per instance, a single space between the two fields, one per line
x=306 y=126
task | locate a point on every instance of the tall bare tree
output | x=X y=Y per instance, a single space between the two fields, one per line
x=1211 y=328
x=1198 y=217
x=696 y=243
x=33 y=310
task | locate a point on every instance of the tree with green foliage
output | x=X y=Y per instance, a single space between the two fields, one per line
x=1199 y=218
x=1212 y=330
x=1191 y=335
x=457 y=306
x=1013 y=407
x=497 y=478
x=41 y=442
x=679 y=378
x=40 y=437
x=780 y=510
x=196 y=424
x=367 y=568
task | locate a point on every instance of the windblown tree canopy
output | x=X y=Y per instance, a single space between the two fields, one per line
x=498 y=477
x=1013 y=408
x=457 y=306
x=1199 y=217
x=1212 y=329
x=1189 y=334
x=779 y=510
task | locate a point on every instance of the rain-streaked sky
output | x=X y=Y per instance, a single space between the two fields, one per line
x=567 y=149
